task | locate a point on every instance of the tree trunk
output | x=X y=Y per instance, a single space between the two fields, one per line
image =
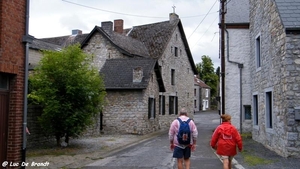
x=57 y=140
x=67 y=138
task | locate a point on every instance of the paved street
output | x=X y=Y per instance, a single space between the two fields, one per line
x=155 y=153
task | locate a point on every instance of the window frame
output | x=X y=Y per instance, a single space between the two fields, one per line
x=173 y=105
x=151 y=108
x=247 y=108
x=258 y=60
x=255 y=107
x=269 y=108
x=162 y=104
x=176 y=51
x=172 y=76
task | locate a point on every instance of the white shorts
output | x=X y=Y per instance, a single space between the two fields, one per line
x=227 y=157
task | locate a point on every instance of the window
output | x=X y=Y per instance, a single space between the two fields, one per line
x=172 y=76
x=195 y=103
x=258 y=51
x=162 y=104
x=269 y=110
x=206 y=92
x=151 y=108
x=195 y=92
x=173 y=105
x=176 y=51
x=255 y=109
x=247 y=112
x=4 y=81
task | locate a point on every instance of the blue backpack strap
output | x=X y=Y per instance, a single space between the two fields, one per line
x=180 y=121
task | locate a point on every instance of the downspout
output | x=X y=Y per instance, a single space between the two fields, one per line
x=240 y=66
x=26 y=39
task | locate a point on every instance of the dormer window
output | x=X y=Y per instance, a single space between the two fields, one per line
x=137 y=74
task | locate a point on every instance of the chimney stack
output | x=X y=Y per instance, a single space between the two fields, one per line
x=118 y=26
x=107 y=27
x=173 y=17
x=76 y=32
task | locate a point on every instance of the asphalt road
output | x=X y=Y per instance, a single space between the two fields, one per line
x=155 y=153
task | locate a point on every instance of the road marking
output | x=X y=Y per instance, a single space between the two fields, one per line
x=234 y=162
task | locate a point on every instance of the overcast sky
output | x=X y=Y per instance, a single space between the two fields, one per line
x=50 y=18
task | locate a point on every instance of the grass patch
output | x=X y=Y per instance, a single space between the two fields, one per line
x=252 y=160
x=246 y=135
x=53 y=150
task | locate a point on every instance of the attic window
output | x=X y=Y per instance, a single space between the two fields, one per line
x=176 y=51
x=137 y=74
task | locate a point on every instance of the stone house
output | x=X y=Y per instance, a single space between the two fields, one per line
x=13 y=39
x=275 y=49
x=237 y=68
x=148 y=72
x=201 y=95
x=267 y=54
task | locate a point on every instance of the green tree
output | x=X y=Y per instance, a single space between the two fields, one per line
x=207 y=74
x=70 y=91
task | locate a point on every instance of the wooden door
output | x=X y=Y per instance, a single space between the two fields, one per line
x=4 y=99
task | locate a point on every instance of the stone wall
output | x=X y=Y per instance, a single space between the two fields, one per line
x=101 y=49
x=237 y=40
x=292 y=69
x=184 y=80
x=278 y=73
x=35 y=57
x=126 y=111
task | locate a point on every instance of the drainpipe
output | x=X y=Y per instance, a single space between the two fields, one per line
x=240 y=66
x=26 y=39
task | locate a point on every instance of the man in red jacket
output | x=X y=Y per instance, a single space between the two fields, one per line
x=225 y=139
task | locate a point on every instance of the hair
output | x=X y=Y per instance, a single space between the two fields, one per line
x=183 y=112
x=226 y=117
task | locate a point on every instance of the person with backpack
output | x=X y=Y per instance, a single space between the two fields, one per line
x=225 y=140
x=183 y=135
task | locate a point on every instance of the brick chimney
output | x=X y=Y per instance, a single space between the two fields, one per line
x=107 y=27
x=118 y=26
x=173 y=17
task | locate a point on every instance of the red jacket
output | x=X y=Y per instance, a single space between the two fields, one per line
x=226 y=137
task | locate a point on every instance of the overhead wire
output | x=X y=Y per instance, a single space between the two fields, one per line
x=143 y=16
x=205 y=31
x=203 y=19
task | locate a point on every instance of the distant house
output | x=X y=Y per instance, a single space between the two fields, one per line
x=12 y=79
x=201 y=95
x=263 y=41
x=148 y=72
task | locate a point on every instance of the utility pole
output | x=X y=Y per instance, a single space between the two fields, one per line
x=223 y=55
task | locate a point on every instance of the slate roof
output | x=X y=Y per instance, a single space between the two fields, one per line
x=289 y=11
x=118 y=73
x=64 y=41
x=237 y=11
x=125 y=44
x=156 y=37
x=41 y=45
